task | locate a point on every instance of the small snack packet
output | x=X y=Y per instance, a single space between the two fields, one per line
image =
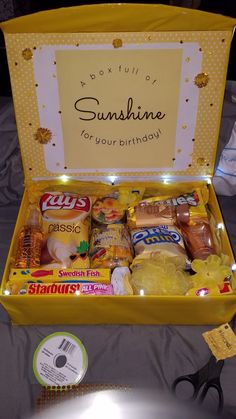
x=110 y=246
x=165 y=240
x=166 y=210
x=151 y=212
x=106 y=210
x=66 y=225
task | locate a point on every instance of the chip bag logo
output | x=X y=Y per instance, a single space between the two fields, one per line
x=64 y=206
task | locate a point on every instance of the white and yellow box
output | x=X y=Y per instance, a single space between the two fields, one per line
x=121 y=95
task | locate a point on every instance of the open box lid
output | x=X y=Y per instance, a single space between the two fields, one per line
x=118 y=90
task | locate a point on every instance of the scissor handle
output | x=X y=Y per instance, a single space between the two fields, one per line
x=190 y=378
x=208 y=377
x=216 y=385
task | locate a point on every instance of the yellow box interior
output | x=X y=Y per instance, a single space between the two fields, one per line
x=134 y=309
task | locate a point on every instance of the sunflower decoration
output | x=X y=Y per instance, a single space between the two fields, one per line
x=27 y=54
x=43 y=135
x=201 y=80
x=117 y=43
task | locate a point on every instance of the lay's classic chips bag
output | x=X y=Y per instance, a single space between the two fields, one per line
x=66 y=224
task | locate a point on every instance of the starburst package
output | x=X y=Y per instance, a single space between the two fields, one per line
x=118 y=110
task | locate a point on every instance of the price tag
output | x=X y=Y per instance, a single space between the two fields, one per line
x=221 y=341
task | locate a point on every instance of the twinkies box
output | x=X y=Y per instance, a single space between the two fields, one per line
x=116 y=97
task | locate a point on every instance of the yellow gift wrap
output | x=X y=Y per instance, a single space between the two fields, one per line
x=118 y=98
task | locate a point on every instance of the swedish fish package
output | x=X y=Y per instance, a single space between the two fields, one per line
x=66 y=223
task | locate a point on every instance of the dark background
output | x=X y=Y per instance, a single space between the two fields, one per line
x=14 y=8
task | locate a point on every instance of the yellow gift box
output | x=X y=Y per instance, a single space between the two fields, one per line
x=116 y=96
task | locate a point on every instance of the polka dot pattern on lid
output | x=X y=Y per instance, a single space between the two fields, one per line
x=213 y=47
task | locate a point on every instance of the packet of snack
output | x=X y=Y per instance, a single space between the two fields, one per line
x=151 y=212
x=165 y=210
x=106 y=210
x=66 y=225
x=160 y=240
x=110 y=246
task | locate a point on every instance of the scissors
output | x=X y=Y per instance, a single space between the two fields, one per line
x=203 y=380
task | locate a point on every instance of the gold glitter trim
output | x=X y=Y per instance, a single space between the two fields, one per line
x=27 y=54
x=43 y=135
x=117 y=43
x=201 y=80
